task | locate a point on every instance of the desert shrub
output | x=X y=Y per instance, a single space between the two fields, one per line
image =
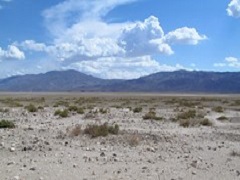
x=103 y=111
x=76 y=131
x=40 y=107
x=61 y=103
x=205 y=122
x=73 y=108
x=101 y=130
x=4 y=110
x=218 y=109
x=6 y=124
x=151 y=115
x=187 y=115
x=184 y=122
x=137 y=109
x=133 y=140
x=222 y=118
x=31 y=108
x=80 y=110
x=61 y=113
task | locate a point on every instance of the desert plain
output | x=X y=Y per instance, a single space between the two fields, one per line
x=113 y=136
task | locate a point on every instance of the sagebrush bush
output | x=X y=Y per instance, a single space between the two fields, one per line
x=31 y=108
x=101 y=130
x=187 y=115
x=151 y=115
x=218 y=109
x=76 y=131
x=61 y=113
x=222 y=118
x=4 y=124
x=137 y=109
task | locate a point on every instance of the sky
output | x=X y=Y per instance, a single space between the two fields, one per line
x=118 y=39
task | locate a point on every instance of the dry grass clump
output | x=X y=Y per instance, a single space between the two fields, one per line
x=76 y=109
x=151 y=115
x=205 y=122
x=134 y=140
x=5 y=124
x=218 y=109
x=222 y=118
x=61 y=113
x=61 y=103
x=101 y=130
x=187 y=115
x=31 y=108
x=103 y=111
x=137 y=109
x=194 y=122
x=75 y=131
x=4 y=110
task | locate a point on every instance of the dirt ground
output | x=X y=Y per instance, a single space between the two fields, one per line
x=160 y=136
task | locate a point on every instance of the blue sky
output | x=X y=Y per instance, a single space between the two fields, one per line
x=118 y=38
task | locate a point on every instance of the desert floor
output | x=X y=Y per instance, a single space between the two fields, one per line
x=152 y=136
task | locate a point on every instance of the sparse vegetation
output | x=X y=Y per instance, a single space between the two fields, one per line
x=31 y=108
x=151 y=115
x=222 y=118
x=134 y=140
x=101 y=130
x=137 y=109
x=4 y=110
x=103 y=111
x=5 y=124
x=61 y=113
x=187 y=115
x=76 y=131
x=205 y=122
x=218 y=109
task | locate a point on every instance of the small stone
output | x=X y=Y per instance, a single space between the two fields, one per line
x=74 y=165
x=2 y=144
x=194 y=172
x=16 y=178
x=10 y=163
x=33 y=169
x=12 y=149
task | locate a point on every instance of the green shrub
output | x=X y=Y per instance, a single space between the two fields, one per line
x=61 y=113
x=73 y=108
x=184 y=122
x=222 y=118
x=151 y=115
x=31 y=108
x=101 y=130
x=103 y=111
x=187 y=115
x=137 y=109
x=218 y=109
x=80 y=111
x=6 y=124
x=206 y=122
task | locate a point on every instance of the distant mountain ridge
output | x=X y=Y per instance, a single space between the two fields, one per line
x=175 y=82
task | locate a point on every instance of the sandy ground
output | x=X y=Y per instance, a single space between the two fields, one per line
x=41 y=146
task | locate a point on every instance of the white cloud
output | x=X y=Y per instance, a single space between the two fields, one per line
x=124 y=68
x=184 y=35
x=12 y=53
x=234 y=8
x=142 y=38
x=82 y=39
x=229 y=62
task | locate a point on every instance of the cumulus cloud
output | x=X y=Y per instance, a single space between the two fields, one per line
x=82 y=39
x=141 y=38
x=234 y=8
x=229 y=62
x=184 y=35
x=124 y=68
x=12 y=53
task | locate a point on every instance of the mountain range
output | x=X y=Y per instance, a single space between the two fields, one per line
x=171 y=82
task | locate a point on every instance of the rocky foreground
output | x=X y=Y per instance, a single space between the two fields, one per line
x=45 y=146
